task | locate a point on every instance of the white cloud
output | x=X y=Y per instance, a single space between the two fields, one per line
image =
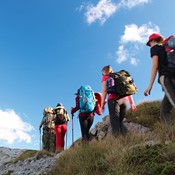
x=13 y=128
x=80 y=8
x=134 y=36
x=106 y=8
x=122 y=54
x=132 y=3
x=133 y=33
x=134 y=61
x=102 y=11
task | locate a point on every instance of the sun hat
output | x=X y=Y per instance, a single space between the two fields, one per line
x=48 y=110
x=58 y=106
x=153 y=36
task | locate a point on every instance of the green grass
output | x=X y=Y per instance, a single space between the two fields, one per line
x=26 y=154
x=147 y=114
x=125 y=155
x=153 y=160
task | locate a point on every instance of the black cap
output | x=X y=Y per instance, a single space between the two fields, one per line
x=59 y=104
x=78 y=92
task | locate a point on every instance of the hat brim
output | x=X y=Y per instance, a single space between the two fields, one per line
x=148 y=43
x=58 y=107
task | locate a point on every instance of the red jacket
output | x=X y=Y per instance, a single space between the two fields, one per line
x=77 y=107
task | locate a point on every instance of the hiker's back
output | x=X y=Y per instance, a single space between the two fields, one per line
x=61 y=115
x=47 y=123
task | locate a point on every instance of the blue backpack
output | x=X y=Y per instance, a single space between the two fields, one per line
x=87 y=100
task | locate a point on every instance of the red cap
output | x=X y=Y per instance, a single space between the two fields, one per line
x=153 y=36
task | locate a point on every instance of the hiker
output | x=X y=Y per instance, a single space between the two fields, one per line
x=165 y=77
x=48 y=137
x=117 y=107
x=60 y=118
x=85 y=118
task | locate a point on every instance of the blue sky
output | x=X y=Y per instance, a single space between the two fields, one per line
x=48 y=49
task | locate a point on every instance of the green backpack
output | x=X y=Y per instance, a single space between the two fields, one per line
x=121 y=83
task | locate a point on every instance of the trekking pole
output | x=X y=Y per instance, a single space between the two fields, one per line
x=72 y=130
x=40 y=138
x=66 y=140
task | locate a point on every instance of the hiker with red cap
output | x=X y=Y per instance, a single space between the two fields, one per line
x=166 y=78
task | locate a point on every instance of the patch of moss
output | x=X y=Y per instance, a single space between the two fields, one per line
x=8 y=173
x=147 y=114
x=25 y=155
x=43 y=153
x=152 y=160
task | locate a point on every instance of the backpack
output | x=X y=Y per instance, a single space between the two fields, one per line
x=169 y=45
x=86 y=99
x=47 y=109
x=60 y=115
x=98 y=97
x=121 y=83
x=47 y=117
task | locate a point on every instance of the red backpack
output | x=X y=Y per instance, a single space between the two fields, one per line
x=169 y=45
x=98 y=109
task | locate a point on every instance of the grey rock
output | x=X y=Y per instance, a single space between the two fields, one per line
x=103 y=129
x=30 y=166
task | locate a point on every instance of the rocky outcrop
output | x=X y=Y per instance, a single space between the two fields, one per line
x=29 y=166
x=103 y=129
x=7 y=154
